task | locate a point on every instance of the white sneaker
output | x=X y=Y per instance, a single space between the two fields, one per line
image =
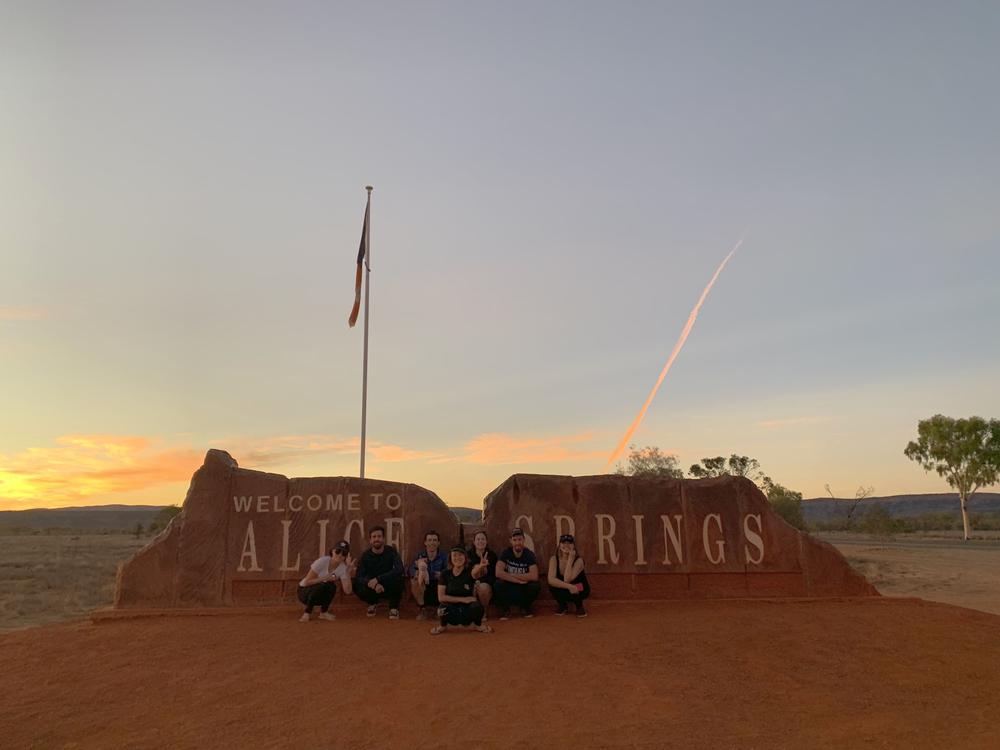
x=327 y=616
x=305 y=617
x=371 y=611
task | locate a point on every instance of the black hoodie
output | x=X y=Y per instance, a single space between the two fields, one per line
x=384 y=567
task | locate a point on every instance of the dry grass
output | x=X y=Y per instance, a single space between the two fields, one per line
x=47 y=578
x=966 y=576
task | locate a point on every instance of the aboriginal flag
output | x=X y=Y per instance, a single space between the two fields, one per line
x=362 y=250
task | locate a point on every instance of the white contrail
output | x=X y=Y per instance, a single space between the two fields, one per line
x=673 y=355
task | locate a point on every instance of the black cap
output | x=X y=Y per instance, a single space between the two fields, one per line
x=517 y=531
x=568 y=538
x=342 y=546
x=459 y=548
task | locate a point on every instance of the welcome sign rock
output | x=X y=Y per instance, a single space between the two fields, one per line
x=653 y=538
x=248 y=537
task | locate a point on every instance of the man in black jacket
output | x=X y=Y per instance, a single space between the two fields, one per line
x=380 y=574
x=517 y=577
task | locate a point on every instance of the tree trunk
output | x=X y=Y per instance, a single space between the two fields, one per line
x=965 y=515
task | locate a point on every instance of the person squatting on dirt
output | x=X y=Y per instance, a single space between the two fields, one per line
x=425 y=573
x=456 y=592
x=319 y=586
x=380 y=574
x=517 y=577
x=483 y=561
x=567 y=578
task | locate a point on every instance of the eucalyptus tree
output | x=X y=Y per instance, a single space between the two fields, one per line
x=966 y=452
x=736 y=466
x=650 y=462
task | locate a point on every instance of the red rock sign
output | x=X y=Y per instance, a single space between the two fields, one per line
x=670 y=538
x=248 y=536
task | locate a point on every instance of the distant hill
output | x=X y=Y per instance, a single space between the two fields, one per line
x=468 y=515
x=94 y=518
x=125 y=517
x=899 y=506
x=121 y=517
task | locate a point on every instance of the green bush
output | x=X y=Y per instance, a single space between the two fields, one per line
x=985 y=521
x=787 y=504
x=162 y=519
x=879 y=522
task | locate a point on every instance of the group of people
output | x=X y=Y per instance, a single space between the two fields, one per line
x=457 y=586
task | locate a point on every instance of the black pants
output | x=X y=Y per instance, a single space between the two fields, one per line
x=431 y=594
x=463 y=614
x=521 y=595
x=564 y=597
x=393 y=592
x=318 y=595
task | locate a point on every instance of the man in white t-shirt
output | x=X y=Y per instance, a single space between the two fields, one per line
x=317 y=589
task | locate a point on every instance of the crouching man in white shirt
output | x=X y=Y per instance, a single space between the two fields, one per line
x=320 y=584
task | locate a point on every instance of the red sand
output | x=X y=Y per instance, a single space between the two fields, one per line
x=831 y=674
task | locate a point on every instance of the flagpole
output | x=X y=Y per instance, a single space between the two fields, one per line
x=364 y=376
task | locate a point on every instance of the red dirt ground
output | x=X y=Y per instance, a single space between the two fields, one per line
x=830 y=674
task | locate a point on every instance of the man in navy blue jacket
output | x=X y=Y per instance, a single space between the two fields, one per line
x=425 y=573
x=517 y=577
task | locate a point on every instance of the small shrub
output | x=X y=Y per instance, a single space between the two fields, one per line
x=787 y=504
x=879 y=522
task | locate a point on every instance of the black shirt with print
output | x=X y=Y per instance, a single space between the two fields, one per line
x=458 y=585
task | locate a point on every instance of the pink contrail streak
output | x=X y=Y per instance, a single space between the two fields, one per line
x=673 y=355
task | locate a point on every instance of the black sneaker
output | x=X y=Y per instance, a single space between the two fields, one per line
x=580 y=611
x=526 y=612
x=561 y=609
x=505 y=613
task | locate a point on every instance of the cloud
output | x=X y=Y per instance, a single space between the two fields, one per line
x=501 y=448
x=93 y=469
x=89 y=469
x=390 y=453
x=81 y=469
x=284 y=449
x=271 y=451
x=23 y=313
x=779 y=424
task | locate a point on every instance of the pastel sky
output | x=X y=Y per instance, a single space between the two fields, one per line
x=181 y=195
